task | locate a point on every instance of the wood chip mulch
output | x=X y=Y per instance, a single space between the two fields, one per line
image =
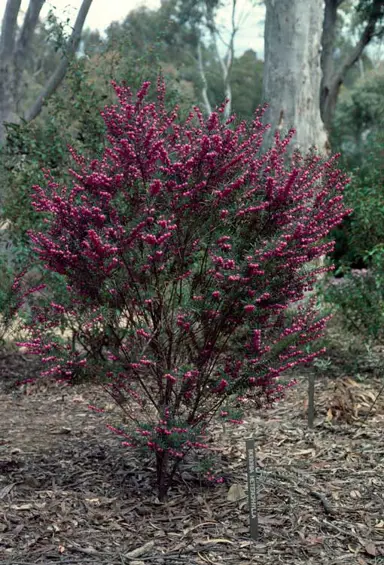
x=70 y=494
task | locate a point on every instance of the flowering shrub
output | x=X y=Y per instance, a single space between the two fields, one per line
x=182 y=248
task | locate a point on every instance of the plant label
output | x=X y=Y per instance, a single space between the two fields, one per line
x=252 y=487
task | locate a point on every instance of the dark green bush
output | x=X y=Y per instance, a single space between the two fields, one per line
x=361 y=232
x=359 y=297
x=365 y=195
x=359 y=292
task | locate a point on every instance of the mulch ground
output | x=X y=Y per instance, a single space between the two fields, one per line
x=70 y=494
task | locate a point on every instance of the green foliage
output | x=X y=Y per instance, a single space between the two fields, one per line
x=366 y=196
x=359 y=295
x=365 y=10
x=246 y=83
x=359 y=117
x=161 y=34
x=358 y=134
x=363 y=231
x=71 y=117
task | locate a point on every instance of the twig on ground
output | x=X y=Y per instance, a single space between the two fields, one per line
x=85 y=550
x=327 y=505
x=341 y=531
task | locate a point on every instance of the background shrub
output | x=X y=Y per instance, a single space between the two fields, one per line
x=358 y=294
x=363 y=230
x=359 y=297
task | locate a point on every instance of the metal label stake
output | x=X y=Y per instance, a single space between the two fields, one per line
x=252 y=488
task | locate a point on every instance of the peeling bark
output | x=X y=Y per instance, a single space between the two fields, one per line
x=292 y=71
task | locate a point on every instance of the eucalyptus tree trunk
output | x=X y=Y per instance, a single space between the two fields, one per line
x=292 y=71
x=226 y=62
x=7 y=46
x=203 y=78
x=6 y=114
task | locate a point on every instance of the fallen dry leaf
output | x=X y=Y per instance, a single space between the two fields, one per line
x=236 y=493
x=315 y=540
x=370 y=548
x=6 y=490
x=193 y=528
x=352 y=383
x=140 y=550
x=78 y=399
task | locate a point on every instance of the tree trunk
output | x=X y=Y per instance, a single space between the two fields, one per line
x=292 y=71
x=7 y=43
x=6 y=98
x=329 y=95
x=226 y=62
x=203 y=78
x=30 y=22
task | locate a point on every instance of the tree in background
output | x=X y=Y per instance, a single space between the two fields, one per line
x=292 y=72
x=359 y=117
x=246 y=83
x=226 y=61
x=201 y=18
x=14 y=47
x=301 y=78
x=183 y=37
x=368 y=21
